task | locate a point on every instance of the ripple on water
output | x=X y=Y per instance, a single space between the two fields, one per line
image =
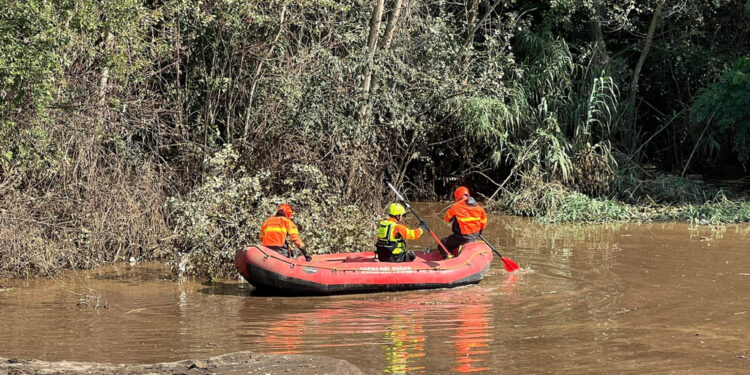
x=589 y=299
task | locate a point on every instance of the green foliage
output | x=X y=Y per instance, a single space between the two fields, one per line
x=675 y=189
x=236 y=106
x=577 y=207
x=553 y=203
x=725 y=106
x=714 y=213
x=225 y=213
x=30 y=60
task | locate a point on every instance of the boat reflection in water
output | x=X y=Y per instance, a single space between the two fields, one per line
x=404 y=344
x=406 y=331
x=472 y=339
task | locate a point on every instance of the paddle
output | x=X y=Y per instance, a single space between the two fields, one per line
x=443 y=251
x=510 y=265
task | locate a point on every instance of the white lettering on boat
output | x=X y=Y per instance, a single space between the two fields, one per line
x=387 y=269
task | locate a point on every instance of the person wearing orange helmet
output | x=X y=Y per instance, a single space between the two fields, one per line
x=467 y=219
x=392 y=236
x=275 y=230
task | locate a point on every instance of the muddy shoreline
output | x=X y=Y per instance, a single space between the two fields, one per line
x=233 y=363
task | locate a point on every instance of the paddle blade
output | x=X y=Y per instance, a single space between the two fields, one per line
x=510 y=265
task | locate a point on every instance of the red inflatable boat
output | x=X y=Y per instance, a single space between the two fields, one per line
x=360 y=272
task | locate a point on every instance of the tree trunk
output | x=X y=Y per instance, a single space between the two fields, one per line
x=390 y=29
x=642 y=60
x=599 y=54
x=103 y=83
x=471 y=29
x=372 y=42
x=258 y=70
x=472 y=7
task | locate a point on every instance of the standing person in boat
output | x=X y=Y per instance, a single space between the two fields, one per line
x=392 y=236
x=275 y=230
x=467 y=219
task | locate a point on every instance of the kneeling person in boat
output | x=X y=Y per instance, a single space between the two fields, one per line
x=467 y=219
x=275 y=230
x=392 y=236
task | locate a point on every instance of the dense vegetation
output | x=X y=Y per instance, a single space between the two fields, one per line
x=148 y=128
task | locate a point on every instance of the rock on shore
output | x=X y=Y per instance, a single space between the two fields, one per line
x=233 y=363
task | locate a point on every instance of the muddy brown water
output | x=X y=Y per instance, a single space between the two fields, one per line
x=622 y=298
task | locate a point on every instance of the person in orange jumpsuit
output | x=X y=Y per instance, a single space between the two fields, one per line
x=467 y=219
x=392 y=236
x=275 y=230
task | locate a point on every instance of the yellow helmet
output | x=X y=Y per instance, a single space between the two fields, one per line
x=396 y=209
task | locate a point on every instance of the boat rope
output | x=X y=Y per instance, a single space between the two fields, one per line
x=335 y=269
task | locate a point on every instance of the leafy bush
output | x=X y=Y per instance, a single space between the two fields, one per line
x=720 y=212
x=577 y=207
x=554 y=203
x=676 y=189
x=82 y=225
x=725 y=105
x=680 y=199
x=532 y=197
x=225 y=213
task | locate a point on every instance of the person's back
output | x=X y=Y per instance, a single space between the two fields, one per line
x=274 y=232
x=392 y=236
x=467 y=219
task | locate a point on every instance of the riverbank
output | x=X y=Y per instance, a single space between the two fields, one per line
x=579 y=208
x=233 y=363
x=665 y=199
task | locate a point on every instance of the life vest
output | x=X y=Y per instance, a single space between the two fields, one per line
x=275 y=229
x=388 y=239
x=467 y=217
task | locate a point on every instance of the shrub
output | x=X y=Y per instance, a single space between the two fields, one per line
x=725 y=105
x=113 y=217
x=675 y=189
x=577 y=207
x=225 y=213
x=533 y=197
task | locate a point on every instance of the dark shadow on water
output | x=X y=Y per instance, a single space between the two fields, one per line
x=226 y=289
x=245 y=290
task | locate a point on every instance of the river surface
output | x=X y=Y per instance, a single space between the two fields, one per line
x=624 y=298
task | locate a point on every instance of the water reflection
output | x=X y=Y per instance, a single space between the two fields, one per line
x=397 y=330
x=286 y=336
x=472 y=339
x=404 y=343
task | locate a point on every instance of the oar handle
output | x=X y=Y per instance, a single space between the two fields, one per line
x=491 y=247
x=444 y=251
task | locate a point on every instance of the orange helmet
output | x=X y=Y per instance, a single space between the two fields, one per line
x=286 y=209
x=460 y=193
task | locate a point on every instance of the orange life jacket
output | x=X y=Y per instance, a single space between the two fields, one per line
x=276 y=228
x=467 y=216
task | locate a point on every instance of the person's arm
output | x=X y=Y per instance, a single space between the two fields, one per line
x=262 y=233
x=296 y=240
x=449 y=215
x=408 y=234
x=294 y=235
